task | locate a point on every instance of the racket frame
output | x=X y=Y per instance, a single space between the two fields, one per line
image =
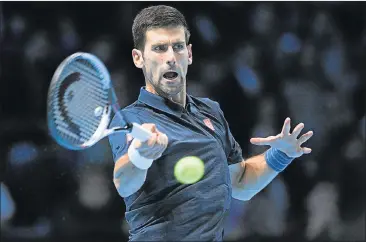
x=136 y=130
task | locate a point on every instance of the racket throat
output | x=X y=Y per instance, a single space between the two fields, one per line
x=122 y=129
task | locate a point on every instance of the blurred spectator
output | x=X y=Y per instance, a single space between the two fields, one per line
x=262 y=62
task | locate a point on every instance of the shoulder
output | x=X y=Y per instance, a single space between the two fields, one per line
x=205 y=102
x=208 y=105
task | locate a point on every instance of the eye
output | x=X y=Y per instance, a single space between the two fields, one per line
x=178 y=47
x=159 y=48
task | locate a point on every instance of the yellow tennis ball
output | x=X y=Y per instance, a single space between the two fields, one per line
x=189 y=170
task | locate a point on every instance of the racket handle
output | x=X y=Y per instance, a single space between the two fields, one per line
x=140 y=133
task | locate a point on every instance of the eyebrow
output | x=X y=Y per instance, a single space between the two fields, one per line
x=164 y=43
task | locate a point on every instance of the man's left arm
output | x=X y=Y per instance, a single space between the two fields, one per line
x=252 y=175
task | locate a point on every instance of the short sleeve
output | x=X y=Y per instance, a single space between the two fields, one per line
x=120 y=141
x=234 y=150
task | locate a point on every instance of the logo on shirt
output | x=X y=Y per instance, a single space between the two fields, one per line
x=209 y=124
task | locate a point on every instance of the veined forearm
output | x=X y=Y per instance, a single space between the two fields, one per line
x=253 y=175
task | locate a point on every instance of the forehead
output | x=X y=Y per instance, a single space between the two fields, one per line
x=165 y=35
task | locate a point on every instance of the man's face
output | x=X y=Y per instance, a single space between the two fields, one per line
x=166 y=58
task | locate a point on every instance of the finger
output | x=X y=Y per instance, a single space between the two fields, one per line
x=160 y=145
x=263 y=141
x=305 y=137
x=163 y=139
x=297 y=130
x=286 y=127
x=149 y=126
x=152 y=140
x=306 y=150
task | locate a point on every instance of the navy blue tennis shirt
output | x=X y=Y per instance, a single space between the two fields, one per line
x=163 y=209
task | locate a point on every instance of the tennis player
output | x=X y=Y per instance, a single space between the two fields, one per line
x=158 y=207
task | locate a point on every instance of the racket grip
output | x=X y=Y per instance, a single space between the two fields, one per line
x=140 y=133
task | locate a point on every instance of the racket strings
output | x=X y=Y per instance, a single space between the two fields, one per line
x=80 y=108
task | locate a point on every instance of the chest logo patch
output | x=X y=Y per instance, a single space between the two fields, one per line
x=209 y=124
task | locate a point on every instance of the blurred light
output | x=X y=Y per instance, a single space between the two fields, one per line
x=355 y=148
x=310 y=98
x=17 y=25
x=103 y=49
x=94 y=192
x=322 y=209
x=289 y=43
x=21 y=153
x=247 y=55
x=333 y=62
x=310 y=167
x=69 y=38
x=37 y=47
x=42 y=228
x=248 y=79
x=267 y=110
x=321 y=24
x=212 y=72
x=207 y=29
x=263 y=18
x=279 y=198
x=6 y=203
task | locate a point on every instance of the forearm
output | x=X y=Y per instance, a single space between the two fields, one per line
x=127 y=177
x=250 y=177
x=254 y=175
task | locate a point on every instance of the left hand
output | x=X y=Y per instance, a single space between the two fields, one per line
x=286 y=142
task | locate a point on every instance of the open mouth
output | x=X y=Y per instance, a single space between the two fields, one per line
x=170 y=75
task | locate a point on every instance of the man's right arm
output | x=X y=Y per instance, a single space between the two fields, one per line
x=128 y=176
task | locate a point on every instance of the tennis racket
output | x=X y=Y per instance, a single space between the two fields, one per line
x=80 y=102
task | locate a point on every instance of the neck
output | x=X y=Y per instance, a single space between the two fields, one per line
x=179 y=98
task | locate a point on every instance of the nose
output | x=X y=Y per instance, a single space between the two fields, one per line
x=171 y=60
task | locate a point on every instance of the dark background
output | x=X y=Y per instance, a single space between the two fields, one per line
x=262 y=61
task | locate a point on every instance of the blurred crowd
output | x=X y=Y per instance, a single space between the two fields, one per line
x=261 y=61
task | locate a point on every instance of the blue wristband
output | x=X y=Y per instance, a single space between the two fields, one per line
x=277 y=160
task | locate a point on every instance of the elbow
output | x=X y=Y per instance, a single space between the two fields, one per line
x=123 y=193
x=123 y=190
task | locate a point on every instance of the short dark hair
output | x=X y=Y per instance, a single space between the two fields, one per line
x=160 y=16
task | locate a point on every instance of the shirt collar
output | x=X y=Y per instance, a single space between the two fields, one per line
x=161 y=103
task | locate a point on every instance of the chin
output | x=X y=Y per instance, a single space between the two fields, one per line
x=172 y=91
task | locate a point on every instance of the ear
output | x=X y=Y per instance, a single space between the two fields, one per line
x=190 y=56
x=137 y=57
